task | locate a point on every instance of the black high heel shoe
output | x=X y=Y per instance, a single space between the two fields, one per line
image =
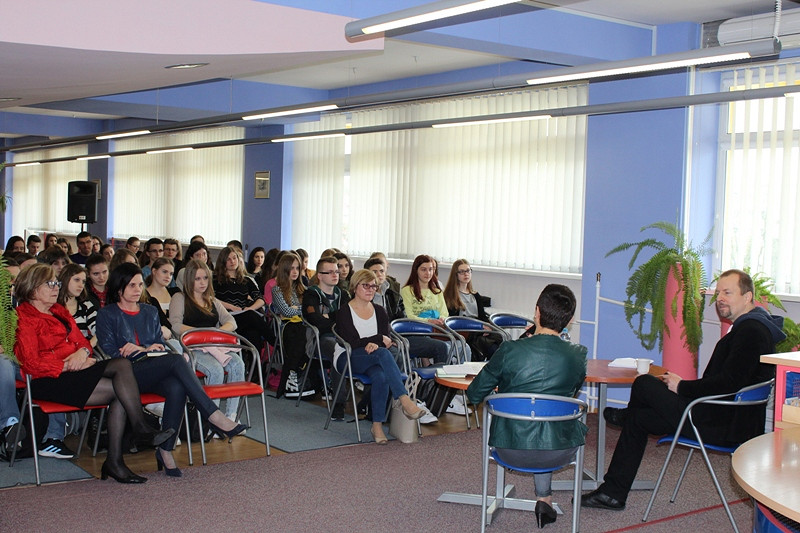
x=172 y=472
x=105 y=473
x=229 y=434
x=154 y=437
x=545 y=514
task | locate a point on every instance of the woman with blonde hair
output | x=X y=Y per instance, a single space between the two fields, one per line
x=196 y=307
x=365 y=326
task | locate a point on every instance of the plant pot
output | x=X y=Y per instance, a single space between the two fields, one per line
x=677 y=357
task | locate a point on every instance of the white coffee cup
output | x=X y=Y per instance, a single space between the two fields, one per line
x=643 y=365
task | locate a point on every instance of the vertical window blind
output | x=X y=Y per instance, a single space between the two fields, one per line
x=475 y=191
x=39 y=192
x=760 y=146
x=179 y=194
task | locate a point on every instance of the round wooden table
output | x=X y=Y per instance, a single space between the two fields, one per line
x=768 y=469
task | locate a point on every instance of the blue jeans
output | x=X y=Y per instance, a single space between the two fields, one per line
x=171 y=377
x=9 y=410
x=382 y=370
x=215 y=374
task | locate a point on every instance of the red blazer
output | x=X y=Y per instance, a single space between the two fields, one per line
x=43 y=342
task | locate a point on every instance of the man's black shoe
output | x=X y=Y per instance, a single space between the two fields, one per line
x=598 y=500
x=614 y=416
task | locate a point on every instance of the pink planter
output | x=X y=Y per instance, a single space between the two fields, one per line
x=677 y=357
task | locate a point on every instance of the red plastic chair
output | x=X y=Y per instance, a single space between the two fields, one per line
x=226 y=340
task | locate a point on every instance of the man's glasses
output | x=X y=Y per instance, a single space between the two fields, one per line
x=467 y=271
x=369 y=287
x=53 y=284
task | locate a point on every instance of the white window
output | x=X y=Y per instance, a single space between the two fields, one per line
x=179 y=194
x=475 y=192
x=39 y=192
x=760 y=151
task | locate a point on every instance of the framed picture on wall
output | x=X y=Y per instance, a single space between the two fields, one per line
x=262 y=184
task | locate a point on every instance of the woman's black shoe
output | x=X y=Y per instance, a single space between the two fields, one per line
x=545 y=514
x=172 y=472
x=230 y=434
x=130 y=477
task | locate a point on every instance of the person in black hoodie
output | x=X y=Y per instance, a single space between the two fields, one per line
x=657 y=403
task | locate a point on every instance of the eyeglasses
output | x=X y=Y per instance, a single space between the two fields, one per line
x=53 y=284
x=467 y=271
x=369 y=287
x=328 y=272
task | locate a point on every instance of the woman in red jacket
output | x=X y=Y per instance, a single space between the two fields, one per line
x=52 y=350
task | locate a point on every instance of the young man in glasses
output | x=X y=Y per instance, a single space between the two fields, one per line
x=320 y=303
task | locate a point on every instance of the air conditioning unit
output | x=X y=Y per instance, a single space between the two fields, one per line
x=745 y=29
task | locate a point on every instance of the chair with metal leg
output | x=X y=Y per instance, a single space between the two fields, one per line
x=753 y=395
x=315 y=356
x=536 y=409
x=225 y=340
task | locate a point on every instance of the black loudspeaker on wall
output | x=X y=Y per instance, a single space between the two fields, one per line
x=82 y=202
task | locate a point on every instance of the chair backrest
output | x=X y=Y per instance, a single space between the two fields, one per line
x=410 y=327
x=510 y=321
x=535 y=407
x=755 y=394
x=468 y=324
x=205 y=336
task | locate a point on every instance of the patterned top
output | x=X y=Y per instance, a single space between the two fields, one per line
x=242 y=294
x=85 y=317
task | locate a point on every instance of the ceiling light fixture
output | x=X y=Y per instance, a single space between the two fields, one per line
x=27 y=164
x=704 y=56
x=182 y=66
x=169 y=150
x=9 y=99
x=490 y=121
x=419 y=14
x=306 y=137
x=289 y=112
x=92 y=157
x=123 y=134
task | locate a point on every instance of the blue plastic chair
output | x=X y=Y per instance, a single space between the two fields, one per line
x=510 y=322
x=757 y=394
x=533 y=408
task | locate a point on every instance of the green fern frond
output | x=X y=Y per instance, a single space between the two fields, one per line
x=8 y=317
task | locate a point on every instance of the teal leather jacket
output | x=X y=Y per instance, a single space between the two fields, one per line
x=542 y=364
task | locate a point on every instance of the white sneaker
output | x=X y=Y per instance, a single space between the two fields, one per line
x=429 y=418
x=458 y=409
x=293 y=387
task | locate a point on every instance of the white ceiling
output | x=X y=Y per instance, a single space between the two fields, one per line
x=39 y=71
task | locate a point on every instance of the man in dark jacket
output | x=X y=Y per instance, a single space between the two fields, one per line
x=320 y=303
x=657 y=403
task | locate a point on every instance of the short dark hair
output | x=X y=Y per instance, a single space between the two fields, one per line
x=328 y=259
x=119 y=279
x=83 y=235
x=745 y=281
x=556 y=306
x=33 y=238
x=374 y=261
x=52 y=254
x=95 y=259
x=194 y=247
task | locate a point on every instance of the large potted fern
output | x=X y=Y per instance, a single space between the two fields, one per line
x=671 y=285
x=8 y=317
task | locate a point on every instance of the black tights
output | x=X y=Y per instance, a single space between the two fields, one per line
x=118 y=389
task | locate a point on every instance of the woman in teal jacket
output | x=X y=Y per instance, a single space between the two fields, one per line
x=544 y=364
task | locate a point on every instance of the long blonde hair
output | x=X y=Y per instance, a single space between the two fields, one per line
x=192 y=267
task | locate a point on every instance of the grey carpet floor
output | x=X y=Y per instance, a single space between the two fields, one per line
x=353 y=488
x=51 y=470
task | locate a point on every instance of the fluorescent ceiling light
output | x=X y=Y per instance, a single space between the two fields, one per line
x=181 y=66
x=91 y=157
x=418 y=15
x=170 y=150
x=705 y=56
x=306 y=137
x=490 y=121
x=292 y=112
x=124 y=134
x=27 y=164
